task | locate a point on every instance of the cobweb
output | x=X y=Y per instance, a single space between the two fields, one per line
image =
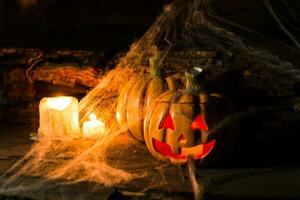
x=184 y=35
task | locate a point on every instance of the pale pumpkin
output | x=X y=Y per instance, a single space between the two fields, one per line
x=177 y=124
x=137 y=95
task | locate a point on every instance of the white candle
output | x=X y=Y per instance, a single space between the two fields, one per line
x=93 y=128
x=59 y=118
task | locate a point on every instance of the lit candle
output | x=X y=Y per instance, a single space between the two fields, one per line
x=59 y=118
x=94 y=127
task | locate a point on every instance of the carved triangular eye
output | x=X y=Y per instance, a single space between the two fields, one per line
x=167 y=122
x=199 y=124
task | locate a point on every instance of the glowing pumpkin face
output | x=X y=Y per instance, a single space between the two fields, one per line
x=176 y=123
x=198 y=151
x=175 y=126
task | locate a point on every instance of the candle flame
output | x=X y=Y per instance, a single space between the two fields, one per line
x=92 y=117
x=94 y=127
x=118 y=115
x=59 y=103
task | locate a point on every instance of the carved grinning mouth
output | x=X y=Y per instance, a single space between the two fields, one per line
x=199 y=151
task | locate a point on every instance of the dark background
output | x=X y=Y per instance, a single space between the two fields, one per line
x=95 y=24
x=115 y=24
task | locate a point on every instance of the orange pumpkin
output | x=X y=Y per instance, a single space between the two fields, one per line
x=137 y=95
x=177 y=124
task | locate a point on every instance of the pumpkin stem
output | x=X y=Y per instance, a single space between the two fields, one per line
x=154 y=70
x=194 y=80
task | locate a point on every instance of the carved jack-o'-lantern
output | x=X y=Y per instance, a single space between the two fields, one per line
x=137 y=95
x=176 y=124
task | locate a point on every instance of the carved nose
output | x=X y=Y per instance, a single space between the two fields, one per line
x=182 y=139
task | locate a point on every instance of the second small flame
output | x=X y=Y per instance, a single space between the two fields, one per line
x=93 y=128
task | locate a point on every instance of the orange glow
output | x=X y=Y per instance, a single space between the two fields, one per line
x=28 y=3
